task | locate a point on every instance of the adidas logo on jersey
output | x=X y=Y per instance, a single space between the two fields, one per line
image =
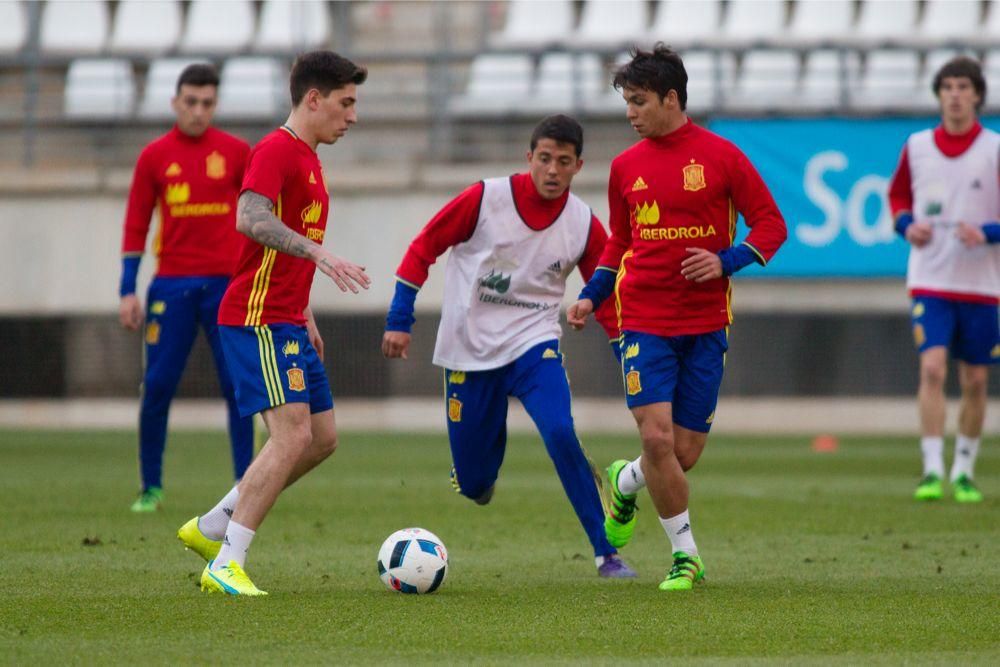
x=556 y=266
x=639 y=185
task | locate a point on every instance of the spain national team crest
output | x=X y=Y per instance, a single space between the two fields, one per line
x=694 y=177
x=296 y=379
x=215 y=165
x=919 y=337
x=454 y=410
x=632 y=384
x=153 y=333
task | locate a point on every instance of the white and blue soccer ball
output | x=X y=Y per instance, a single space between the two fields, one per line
x=413 y=560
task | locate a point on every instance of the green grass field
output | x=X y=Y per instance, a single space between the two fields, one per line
x=812 y=559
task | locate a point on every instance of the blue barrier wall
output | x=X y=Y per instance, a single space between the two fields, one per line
x=829 y=177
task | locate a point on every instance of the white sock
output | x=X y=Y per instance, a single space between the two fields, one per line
x=631 y=479
x=213 y=524
x=235 y=545
x=933 y=448
x=679 y=531
x=966 y=451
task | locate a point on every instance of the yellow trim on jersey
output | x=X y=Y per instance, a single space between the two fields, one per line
x=732 y=222
x=158 y=239
x=269 y=365
x=729 y=300
x=763 y=262
x=261 y=280
x=618 y=280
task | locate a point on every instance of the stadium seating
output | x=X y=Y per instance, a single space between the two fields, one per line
x=991 y=72
x=498 y=84
x=253 y=87
x=611 y=23
x=710 y=79
x=99 y=89
x=218 y=27
x=817 y=22
x=769 y=79
x=681 y=24
x=950 y=20
x=74 y=28
x=148 y=27
x=889 y=81
x=826 y=75
x=990 y=32
x=292 y=26
x=754 y=21
x=884 y=21
x=13 y=27
x=531 y=23
x=161 y=85
x=566 y=82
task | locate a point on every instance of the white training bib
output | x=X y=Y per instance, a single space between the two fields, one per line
x=947 y=191
x=504 y=286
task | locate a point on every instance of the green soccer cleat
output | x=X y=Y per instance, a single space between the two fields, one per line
x=231 y=580
x=929 y=488
x=685 y=571
x=619 y=522
x=192 y=538
x=966 y=491
x=149 y=500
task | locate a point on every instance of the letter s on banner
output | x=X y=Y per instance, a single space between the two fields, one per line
x=823 y=197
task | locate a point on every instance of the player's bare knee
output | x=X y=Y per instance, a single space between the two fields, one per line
x=324 y=445
x=933 y=375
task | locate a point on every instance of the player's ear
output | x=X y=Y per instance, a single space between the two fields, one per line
x=528 y=156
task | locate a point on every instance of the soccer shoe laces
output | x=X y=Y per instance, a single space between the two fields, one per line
x=683 y=568
x=622 y=509
x=239 y=576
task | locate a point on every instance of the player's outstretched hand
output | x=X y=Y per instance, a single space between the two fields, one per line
x=919 y=234
x=395 y=345
x=347 y=275
x=970 y=235
x=130 y=312
x=579 y=312
x=702 y=265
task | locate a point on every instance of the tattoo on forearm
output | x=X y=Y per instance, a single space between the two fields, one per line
x=255 y=218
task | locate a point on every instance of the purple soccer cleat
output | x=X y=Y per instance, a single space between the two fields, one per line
x=614 y=567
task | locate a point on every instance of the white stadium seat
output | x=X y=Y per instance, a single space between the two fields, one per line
x=826 y=76
x=991 y=26
x=681 y=23
x=769 y=79
x=566 y=82
x=13 y=26
x=498 y=84
x=293 y=26
x=820 y=21
x=77 y=28
x=991 y=72
x=146 y=26
x=611 y=22
x=887 y=21
x=950 y=20
x=253 y=87
x=218 y=27
x=99 y=89
x=161 y=86
x=710 y=82
x=752 y=21
x=536 y=23
x=889 y=81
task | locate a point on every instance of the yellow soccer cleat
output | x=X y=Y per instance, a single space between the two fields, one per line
x=192 y=538
x=231 y=580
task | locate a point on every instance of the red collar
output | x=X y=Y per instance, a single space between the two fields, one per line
x=953 y=145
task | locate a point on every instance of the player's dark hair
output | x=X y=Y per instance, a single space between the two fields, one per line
x=324 y=71
x=962 y=66
x=198 y=74
x=561 y=129
x=660 y=70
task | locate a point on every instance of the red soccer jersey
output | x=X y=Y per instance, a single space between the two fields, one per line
x=194 y=182
x=666 y=194
x=270 y=286
x=456 y=222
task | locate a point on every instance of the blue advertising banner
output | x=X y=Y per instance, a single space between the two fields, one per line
x=829 y=177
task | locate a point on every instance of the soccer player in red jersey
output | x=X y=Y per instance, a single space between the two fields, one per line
x=192 y=175
x=945 y=198
x=273 y=349
x=674 y=198
x=513 y=241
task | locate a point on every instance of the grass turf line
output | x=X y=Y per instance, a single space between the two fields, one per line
x=812 y=558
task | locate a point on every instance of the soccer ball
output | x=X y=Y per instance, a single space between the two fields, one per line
x=413 y=560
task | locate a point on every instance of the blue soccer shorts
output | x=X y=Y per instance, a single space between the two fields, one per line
x=272 y=365
x=685 y=371
x=969 y=330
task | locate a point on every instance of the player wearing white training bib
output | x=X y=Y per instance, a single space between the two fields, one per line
x=513 y=242
x=945 y=198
